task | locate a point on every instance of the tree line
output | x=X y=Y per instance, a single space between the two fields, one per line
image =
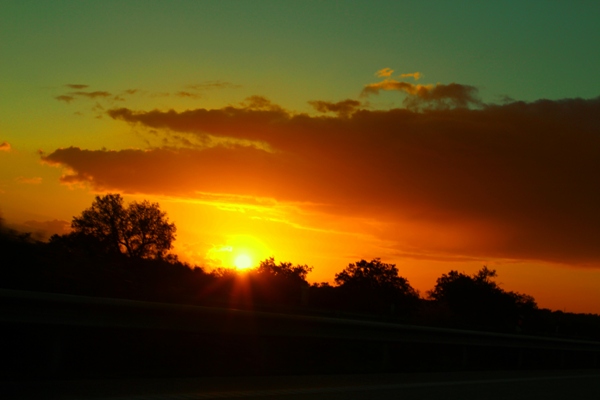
x=118 y=250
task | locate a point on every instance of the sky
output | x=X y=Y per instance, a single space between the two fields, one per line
x=435 y=135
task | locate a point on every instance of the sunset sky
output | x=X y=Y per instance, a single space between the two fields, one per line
x=436 y=135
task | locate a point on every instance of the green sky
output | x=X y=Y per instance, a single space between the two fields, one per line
x=296 y=51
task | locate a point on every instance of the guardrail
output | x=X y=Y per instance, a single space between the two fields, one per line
x=69 y=335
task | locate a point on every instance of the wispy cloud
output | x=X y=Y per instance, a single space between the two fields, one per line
x=211 y=85
x=76 y=86
x=92 y=95
x=192 y=91
x=260 y=103
x=65 y=97
x=513 y=180
x=415 y=75
x=5 y=146
x=187 y=94
x=29 y=181
x=384 y=73
x=160 y=94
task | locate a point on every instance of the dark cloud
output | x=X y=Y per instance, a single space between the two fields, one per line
x=5 y=146
x=517 y=181
x=193 y=91
x=439 y=96
x=342 y=108
x=76 y=86
x=187 y=94
x=261 y=103
x=91 y=95
x=65 y=98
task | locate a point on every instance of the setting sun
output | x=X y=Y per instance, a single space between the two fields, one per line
x=243 y=261
x=240 y=252
x=397 y=156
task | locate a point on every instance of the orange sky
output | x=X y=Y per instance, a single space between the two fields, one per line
x=434 y=183
x=406 y=165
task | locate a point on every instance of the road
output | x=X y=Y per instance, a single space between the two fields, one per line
x=492 y=385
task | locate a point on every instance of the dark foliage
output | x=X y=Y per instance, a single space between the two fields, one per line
x=140 y=230
x=282 y=283
x=374 y=286
x=477 y=301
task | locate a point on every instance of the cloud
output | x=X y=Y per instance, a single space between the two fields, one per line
x=415 y=75
x=342 y=108
x=253 y=122
x=76 y=86
x=29 y=181
x=514 y=181
x=420 y=97
x=384 y=73
x=65 y=98
x=187 y=94
x=261 y=103
x=92 y=95
x=439 y=96
x=5 y=146
x=192 y=92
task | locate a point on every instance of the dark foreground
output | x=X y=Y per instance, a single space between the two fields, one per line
x=51 y=337
x=547 y=385
x=74 y=347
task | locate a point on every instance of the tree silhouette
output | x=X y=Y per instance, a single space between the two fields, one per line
x=376 y=286
x=478 y=300
x=140 y=230
x=285 y=270
x=374 y=275
x=280 y=284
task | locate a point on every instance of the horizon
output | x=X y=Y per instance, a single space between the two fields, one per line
x=319 y=133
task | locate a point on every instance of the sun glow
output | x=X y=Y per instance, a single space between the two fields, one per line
x=240 y=251
x=243 y=261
